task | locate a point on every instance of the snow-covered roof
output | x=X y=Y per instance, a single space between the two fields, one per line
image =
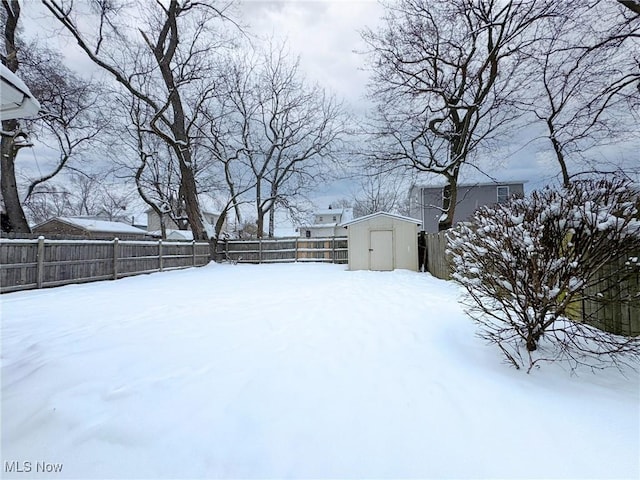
x=204 y=212
x=346 y=213
x=16 y=101
x=173 y=234
x=382 y=214
x=329 y=211
x=320 y=225
x=93 y=225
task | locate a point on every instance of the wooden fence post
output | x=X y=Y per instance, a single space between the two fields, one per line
x=116 y=256
x=40 y=262
x=193 y=243
x=296 y=252
x=333 y=249
x=260 y=250
x=160 y=255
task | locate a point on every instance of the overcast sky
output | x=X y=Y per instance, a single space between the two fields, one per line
x=325 y=33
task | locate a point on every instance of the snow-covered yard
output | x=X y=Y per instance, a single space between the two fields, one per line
x=296 y=371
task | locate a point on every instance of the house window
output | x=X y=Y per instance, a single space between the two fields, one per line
x=307 y=233
x=503 y=194
x=321 y=219
x=335 y=219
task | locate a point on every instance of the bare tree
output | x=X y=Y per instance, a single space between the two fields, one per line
x=442 y=80
x=277 y=128
x=70 y=118
x=227 y=124
x=165 y=64
x=633 y=5
x=583 y=71
x=378 y=192
x=300 y=126
x=156 y=175
x=47 y=202
x=14 y=137
x=81 y=194
x=72 y=114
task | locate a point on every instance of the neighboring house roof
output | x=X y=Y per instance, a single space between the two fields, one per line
x=346 y=213
x=478 y=184
x=174 y=234
x=204 y=212
x=321 y=225
x=93 y=225
x=382 y=214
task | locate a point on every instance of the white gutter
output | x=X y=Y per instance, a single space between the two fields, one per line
x=16 y=101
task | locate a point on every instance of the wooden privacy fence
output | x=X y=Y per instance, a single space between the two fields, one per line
x=437 y=260
x=611 y=304
x=27 y=264
x=282 y=250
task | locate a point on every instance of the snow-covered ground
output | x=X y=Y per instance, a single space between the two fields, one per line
x=291 y=371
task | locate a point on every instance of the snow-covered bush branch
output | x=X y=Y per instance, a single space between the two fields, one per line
x=527 y=264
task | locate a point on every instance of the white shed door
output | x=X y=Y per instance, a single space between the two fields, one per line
x=381 y=250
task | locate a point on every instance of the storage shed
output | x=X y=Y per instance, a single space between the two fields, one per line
x=383 y=241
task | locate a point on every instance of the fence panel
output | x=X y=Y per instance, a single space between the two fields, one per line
x=286 y=250
x=437 y=260
x=612 y=303
x=28 y=263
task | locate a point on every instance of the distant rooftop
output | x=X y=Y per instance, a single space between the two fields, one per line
x=93 y=225
x=476 y=184
x=346 y=213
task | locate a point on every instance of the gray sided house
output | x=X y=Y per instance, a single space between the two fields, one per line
x=426 y=200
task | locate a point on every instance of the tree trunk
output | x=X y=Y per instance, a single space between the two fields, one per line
x=191 y=203
x=260 y=223
x=557 y=148
x=449 y=204
x=272 y=211
x=164 y=50
x=17 y=222
x=272 y=222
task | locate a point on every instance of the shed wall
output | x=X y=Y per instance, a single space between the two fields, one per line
x=405 y=242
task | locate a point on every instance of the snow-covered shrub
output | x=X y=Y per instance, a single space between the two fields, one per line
x=525 y=266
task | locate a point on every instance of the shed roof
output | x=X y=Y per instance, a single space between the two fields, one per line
x=93 y=225
x=382 y=214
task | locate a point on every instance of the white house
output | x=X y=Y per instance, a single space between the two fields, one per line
x=326 y=223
